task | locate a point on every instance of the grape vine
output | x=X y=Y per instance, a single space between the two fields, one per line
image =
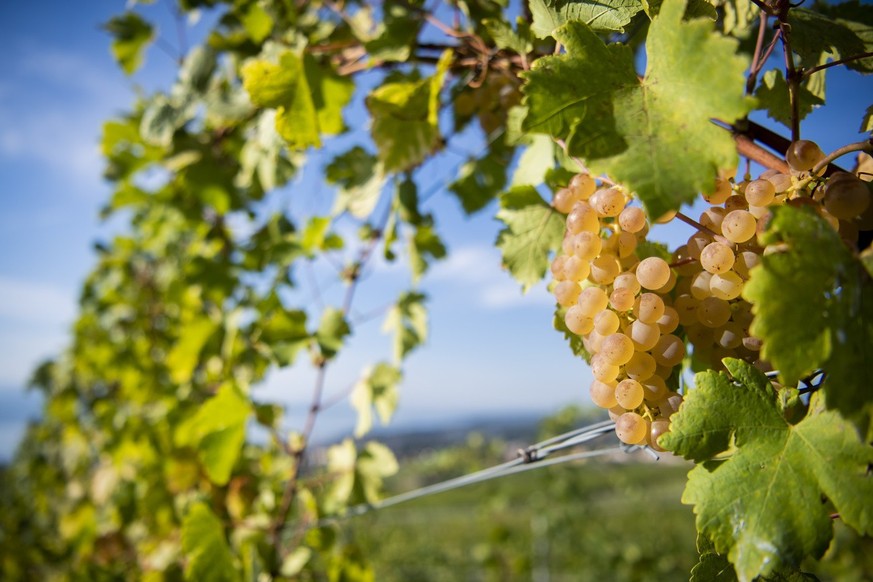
x=156 y=457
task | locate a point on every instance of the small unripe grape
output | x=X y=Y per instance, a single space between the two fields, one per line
x=592 y=301
x=669 y=351
x=658 y=428
x=631 y=428
x=644 y=335
x=603 y=393
x=606 y=322
x=726 y=286
x=655 y=388
x=752 y=343
x=649 y=308
x=730 y=336
x=627 y=280
x=641 y=366
x=846 y=196
x=583 y=218
x=629 y=393
x=696 y=243
x=564 y=200
x=712 y=218
x=608 y=201
x=617 y=348
x=717 y=258
x=669 y=321
x=803 y=154
x=577 y=322
x=583 y=185
x=744 y=263
x=713 y=312
x=632 y=219
x=627 y=244
x=602 y=369
x=557 y=267
x=604 y=269
x=686 y=307
x=567 y=292
x=721 y=193
x=736 y=202
x=700 y=285
x=739 y=226
x=760 y=192
x=622 y=299
x=653 y=272
x=587 y=245
x=576 y=269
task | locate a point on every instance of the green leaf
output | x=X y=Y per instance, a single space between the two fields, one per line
x=218 y=430
x=332 y=332
x=376 y=389
x=813 y=308
x=397 y=31
x=374 y=463
x=315 y=234
x=816 y=36
x=205 y=547
x=480 y=180
x=308 y=98
x=636 y=130
x=601 y=15
x=405 y=121
x=360 y=177
x=283 y=332
x=867 y=122
x=257 y=22
x=533 y=230
x=694 y=9
x=294 y=562
x=772 y=96
x=407 y=320
x=185 y=355
x=537 y=159
x=423 y=245
x=519 y=41
x=197 y=69
x=131 y=36
x=762 y=506
x=160 y=120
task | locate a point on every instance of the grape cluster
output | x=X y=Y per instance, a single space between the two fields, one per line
x=620 y=305
x=635 y=315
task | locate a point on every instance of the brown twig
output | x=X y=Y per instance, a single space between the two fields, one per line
x=749 y=149
x=757 y=56
x=811 y=70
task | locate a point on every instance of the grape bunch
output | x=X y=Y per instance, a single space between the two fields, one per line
x=635 y=315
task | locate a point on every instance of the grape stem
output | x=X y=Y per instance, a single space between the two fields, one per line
x=582 y=167
x=861 y=146
x=691 y=222
x=811 y=70
x=683 y=262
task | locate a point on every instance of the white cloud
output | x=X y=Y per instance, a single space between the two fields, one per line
x=35 y=303
x=61 y=133
x=23 y=348
x=476 y=270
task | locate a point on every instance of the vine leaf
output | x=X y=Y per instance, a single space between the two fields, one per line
x=424 y=243
x=480 y=180
x=762 y=507
x=772 y=96
x=332 y=331
x=636 y=130
x=359 y=474
x=867 y=121
x=602 y=15
x=204 y=544
x=218 y=431
x=185 y=355
x=407 y=320
x=815 y=36
x=308 y=98
x=533 y=230
x=376 y=389
x=131 y=36
x=814 y=309
x=360 y=178
x=519 y=41
x=405 y=117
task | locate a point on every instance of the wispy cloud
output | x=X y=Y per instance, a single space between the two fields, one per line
x=35 y=303
x=477 y=272
x=61 y=133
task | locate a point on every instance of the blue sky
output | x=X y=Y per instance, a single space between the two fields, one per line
x=492 y=349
